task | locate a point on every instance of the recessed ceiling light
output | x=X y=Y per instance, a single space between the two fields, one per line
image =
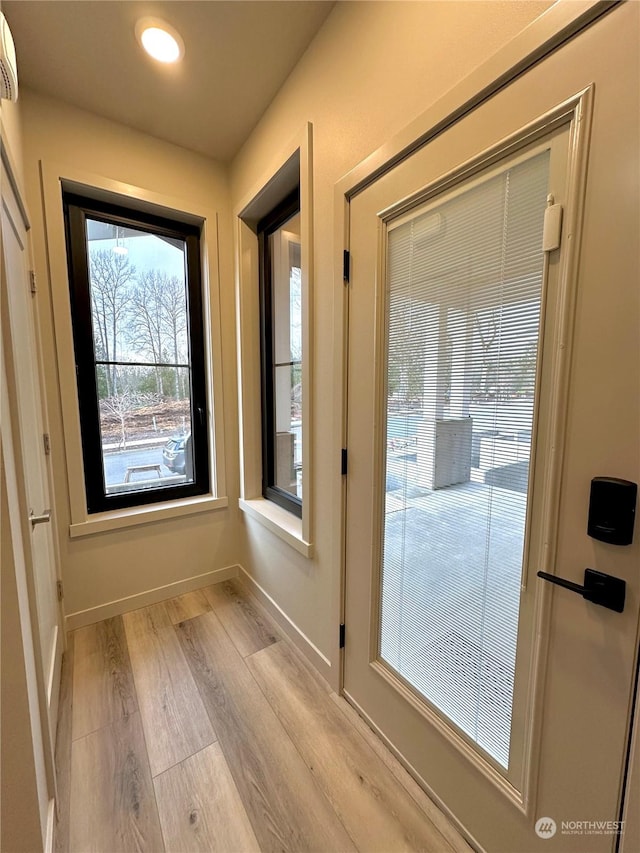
x=160 y=40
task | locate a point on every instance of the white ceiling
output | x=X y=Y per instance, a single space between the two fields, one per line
x=237 y=55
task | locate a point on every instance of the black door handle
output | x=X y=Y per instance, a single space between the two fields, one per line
x=598 y=588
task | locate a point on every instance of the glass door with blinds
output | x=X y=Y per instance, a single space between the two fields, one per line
x=490 y=353
x=464 y=298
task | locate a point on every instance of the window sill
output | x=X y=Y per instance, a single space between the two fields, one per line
x=283 y=524
x=133 y=516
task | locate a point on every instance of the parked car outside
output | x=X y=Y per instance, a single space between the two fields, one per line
x=173 y=454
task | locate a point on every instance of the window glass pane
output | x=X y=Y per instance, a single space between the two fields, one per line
x=138 y=293
x=287 y=355
x=465 y=289
x=145 y=436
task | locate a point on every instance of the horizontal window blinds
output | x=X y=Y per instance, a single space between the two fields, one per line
x=464 y=283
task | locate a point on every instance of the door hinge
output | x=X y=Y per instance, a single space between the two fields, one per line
x=552 y=227
x=343 y=461
x=47 y=444
x=342 y=636
x=60 y=590
x=32 y=281
x=346 y=266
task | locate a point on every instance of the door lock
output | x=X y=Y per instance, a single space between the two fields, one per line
x=598 y=588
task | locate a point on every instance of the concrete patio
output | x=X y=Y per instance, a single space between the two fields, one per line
x=451 y=586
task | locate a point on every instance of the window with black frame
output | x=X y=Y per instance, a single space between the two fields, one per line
x=281 y=354
x=137 y=313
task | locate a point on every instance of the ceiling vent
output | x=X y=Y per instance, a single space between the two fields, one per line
x=8 y=68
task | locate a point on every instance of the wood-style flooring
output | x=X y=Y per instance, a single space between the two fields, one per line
x=194 y=725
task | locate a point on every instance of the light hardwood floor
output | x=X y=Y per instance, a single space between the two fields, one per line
x=194 y=725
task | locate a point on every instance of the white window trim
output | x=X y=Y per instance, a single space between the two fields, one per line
x=100 y=522
x=53 y=177
x=284 y=524
x=294 y=531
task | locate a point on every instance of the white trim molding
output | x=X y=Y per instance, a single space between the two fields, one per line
x=53 y=178
x=9 y=172
x=150 y=596
x=294 y=166
x=134 y=516
x=320 y=661
x=283 y=524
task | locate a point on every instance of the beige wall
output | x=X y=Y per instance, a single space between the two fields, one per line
x=122 y=563
x=372 y=69
x=11 y=118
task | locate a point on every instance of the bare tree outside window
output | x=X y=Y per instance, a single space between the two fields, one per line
x=111 y=277
x=174 y=325
x=140 y=328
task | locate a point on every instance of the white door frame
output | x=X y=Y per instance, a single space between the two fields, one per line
x=40 y=762
x=39 y=681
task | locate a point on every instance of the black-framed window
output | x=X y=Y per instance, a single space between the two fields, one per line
x=281 y=354
x=138 y=330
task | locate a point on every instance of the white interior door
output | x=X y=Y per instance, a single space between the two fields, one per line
x=489 y=382
x=21 y=350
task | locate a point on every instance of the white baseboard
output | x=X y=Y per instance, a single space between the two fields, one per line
x=320 y=661
x=151 y=596
x=51 y=818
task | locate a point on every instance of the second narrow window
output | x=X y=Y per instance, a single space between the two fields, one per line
x=281 y=354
